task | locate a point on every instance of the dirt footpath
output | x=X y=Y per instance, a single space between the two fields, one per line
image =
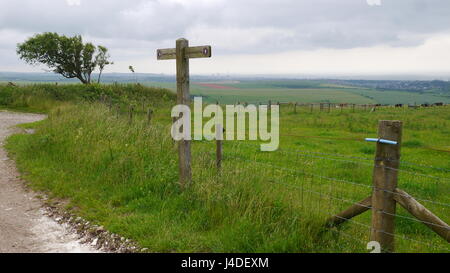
x=23 y=224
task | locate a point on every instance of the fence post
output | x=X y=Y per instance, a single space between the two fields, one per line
x=295 y=108
x=219 y=146
x=149 y=115
x=131 y=114
x=385 y=183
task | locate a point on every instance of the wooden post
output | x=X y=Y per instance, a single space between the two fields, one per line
x=385 y=183
x=131 y=114
x=182 y=53
x=423 y=214
x=219 y=146
x=311 y=105
x=149 y=115
x=351 y=212
x=183 y=97
x=295 y=108
x=329 y=107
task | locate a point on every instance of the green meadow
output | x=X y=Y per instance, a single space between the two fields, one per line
x=123 y=174
x=303 y=91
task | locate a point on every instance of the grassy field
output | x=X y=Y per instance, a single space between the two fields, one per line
x=123 y=175
x=302 y=91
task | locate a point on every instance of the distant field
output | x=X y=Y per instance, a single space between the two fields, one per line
x=301 y=91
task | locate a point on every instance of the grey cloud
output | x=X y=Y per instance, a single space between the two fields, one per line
x=232 y=26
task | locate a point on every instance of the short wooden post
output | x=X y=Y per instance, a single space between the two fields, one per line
x=131 y=114
x=219 y=146
x=149 y=115
x=295 y=108
x=385 y=183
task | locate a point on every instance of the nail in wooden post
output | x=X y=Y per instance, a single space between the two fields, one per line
x=385 y=183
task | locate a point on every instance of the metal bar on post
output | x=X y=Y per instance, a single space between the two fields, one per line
x=385 y=183
x=183 y=97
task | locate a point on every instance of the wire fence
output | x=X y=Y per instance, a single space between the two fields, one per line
x=327 y=183
x=308 y=173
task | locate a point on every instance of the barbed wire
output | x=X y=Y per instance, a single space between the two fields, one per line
x=350 y=157
x=340 y=180
x=356 y=162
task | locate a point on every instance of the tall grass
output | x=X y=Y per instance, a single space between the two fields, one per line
x=123 y=176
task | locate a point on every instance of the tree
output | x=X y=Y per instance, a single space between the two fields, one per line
x=102 y=60
x=67 y=56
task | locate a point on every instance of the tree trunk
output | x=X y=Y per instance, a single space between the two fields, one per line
x=99 y=75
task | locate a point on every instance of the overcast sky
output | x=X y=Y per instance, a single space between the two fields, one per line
x=248 y=36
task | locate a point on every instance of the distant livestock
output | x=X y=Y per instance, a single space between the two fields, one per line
x=438 y=104
x=399 y=105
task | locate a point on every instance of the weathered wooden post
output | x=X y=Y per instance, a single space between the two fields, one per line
x=219 y=146
x=131 y=114
x=149 y=116
x=385 y=174
x=295 y=108
x=182 y=53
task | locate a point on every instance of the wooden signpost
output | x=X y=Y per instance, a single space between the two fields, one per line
x=182 y=53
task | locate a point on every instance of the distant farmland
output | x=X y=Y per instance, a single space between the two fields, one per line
x=303 y=91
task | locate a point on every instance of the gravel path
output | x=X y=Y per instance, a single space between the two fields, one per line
x=23 y=224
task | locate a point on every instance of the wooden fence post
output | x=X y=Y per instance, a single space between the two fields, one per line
x=219 y=145
x=385 y=183
x=295 y=108
x=149 y=115
x=131 y=114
